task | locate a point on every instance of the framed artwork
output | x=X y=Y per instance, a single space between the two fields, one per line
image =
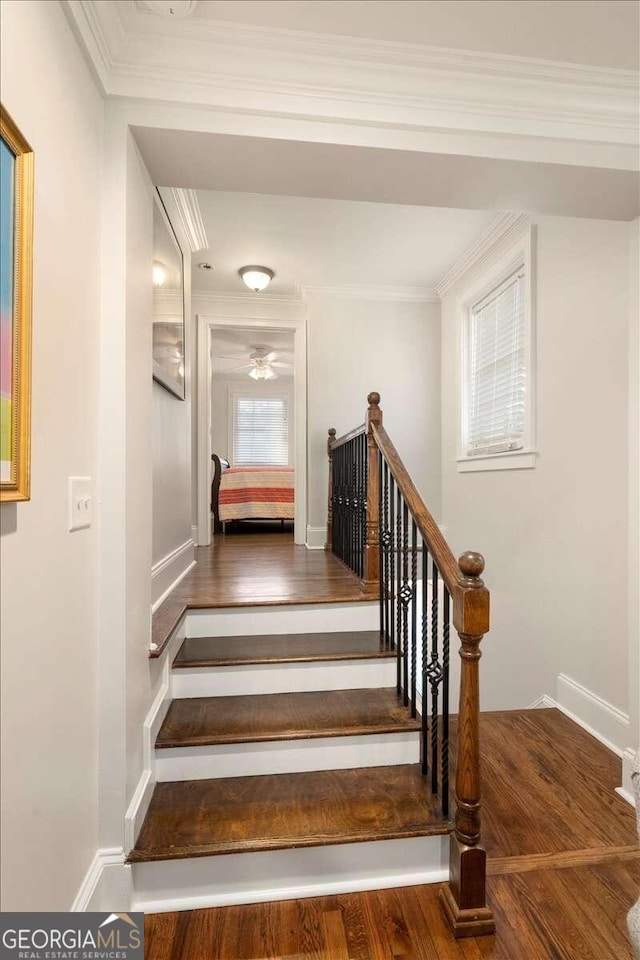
x=168 y=305
x=16 y=266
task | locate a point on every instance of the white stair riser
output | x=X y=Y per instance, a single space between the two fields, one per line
x=282 y=678
x=288 y=874
x=295 y=618
x=287 y=756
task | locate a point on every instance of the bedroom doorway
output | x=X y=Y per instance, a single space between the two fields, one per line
x=252 y=416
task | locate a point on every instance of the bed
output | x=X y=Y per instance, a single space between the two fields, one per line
x=251 y=493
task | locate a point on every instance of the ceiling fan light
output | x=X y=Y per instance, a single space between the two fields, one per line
x=262 y=373
x=256 y=278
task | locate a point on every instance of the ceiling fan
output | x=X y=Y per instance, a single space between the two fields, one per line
x=262 y=360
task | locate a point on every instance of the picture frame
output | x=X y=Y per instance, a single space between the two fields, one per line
x=16 y=286
x=168 y=305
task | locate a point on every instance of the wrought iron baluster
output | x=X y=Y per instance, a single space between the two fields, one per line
x=444 y=784
x=382 y=470
x=406 y=599
x=414 y=615
x=398 y=546
x=435 y=676
x=392 y=565
x=425 y=653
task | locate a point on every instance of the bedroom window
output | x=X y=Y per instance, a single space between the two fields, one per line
x=260 y=431
x=497 y=371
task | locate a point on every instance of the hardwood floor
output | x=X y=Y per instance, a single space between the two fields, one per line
x=198 y=721
x=255 y=569
x=564 y=868
x=573 y=914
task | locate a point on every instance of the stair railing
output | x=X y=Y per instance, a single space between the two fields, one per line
x=381 y=528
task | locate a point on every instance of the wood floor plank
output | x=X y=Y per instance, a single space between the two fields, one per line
x=281 y=648
x=262 y=569
x=198 y=721
x=206 y=817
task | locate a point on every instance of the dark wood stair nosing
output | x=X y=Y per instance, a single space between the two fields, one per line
x=292 y=648
x=441 y=828
x=412 y=726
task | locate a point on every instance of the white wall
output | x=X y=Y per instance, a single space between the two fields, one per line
x=49 y=589
x=222 y=389
x=555 y=537
x=359 y=346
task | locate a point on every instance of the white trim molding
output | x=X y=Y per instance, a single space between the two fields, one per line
x=630 y=765
x=316 y=537
x=504 y=229
x=269 y=315
x=167 y=573
x=601 y=719
x=323 y=77
x=188 y=207
x=364 y=291
x=518 y=460
x=107 y=883
x=542 y=703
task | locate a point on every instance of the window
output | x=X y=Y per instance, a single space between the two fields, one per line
x=497 y=366
x=260 y=431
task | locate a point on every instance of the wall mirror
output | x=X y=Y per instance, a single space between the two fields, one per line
x=168 y=305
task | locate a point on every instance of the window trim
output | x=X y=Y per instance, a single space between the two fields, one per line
x=519 y=256
x=249 y=395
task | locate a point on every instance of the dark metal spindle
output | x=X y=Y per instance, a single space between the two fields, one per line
x=406 y=596
x=414 y=616
x=434 y=678
x=392 y=565
x=425 y=650
x=398 y=545
x=444 y=785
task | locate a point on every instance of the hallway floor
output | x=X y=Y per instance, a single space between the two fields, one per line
x=564 y=868
x=256 y=568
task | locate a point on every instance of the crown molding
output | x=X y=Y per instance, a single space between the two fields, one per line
x=204 y=297
x=188 y=207
x=366 y=291
x=322 y=77
x=505 y=228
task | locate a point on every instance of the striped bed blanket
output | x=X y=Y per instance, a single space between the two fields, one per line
x=256 y=493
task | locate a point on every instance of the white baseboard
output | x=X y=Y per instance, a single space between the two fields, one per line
x=168 y=572
x=107 y=884
x=601 y=719
x=630 y=760
x=542 y=703
x=141 y=798
x=288 y=874
x=316 y=538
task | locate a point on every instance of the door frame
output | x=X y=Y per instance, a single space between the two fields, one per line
x=206 y=324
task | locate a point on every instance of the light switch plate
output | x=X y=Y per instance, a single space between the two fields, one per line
x=80 y=503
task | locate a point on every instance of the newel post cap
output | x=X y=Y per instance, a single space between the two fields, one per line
x=471 y=566
x=374 y=413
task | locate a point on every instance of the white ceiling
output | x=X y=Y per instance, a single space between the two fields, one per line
x=328 y=242
x=598 y=32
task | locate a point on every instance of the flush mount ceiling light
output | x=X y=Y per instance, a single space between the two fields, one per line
x=159 y=273
x=256 y=278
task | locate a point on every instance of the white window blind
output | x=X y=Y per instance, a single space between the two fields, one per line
x=497 y=371
x=260 y=431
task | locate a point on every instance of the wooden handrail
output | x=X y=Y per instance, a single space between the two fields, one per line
x=338 y=441
x=427 y=526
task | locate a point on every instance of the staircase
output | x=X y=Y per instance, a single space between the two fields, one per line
x=290 y=765
x=288 y=749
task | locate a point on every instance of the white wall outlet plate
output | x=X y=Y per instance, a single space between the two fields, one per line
x=80 y=503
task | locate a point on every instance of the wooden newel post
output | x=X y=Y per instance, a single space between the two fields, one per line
x=329 y=543
x=464 y=897
x=371 y=578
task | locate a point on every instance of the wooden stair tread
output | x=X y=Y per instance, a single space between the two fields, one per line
x=196 y=818
x=282 y=648
x=200 y=721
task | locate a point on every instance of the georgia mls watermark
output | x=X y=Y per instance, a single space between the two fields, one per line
x=71 y=936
